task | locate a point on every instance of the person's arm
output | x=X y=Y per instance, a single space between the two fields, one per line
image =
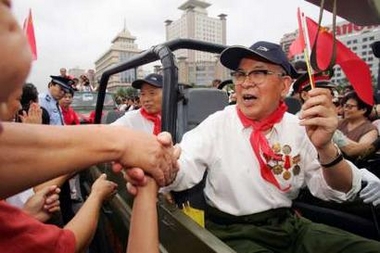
x=338 y=176
x=354 y=148
x=76 y=119
x=143 y=231
x=84 y=223
x=366 y=147
x=58 y=181
x=319 y=117
x=32 y=154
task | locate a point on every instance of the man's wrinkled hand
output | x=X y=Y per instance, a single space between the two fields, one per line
x=319 y=117
x=163 y=169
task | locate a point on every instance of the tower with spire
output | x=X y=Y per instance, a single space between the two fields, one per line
x=123 y=48
x=198 y=68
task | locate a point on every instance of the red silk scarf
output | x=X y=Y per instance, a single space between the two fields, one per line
x=155 y=118
x=260 y=144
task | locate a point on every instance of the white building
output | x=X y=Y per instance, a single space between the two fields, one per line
x=123 y=48
x=195 y=67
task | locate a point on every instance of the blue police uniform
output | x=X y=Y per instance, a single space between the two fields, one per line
x=47 y=101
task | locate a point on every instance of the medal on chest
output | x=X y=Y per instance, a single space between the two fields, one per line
x=285 y=165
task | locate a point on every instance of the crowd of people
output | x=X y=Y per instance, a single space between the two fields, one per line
x=249 y=195
x=34 y=153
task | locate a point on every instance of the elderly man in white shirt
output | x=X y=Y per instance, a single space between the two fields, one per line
x=148 y=117
x=258 y=157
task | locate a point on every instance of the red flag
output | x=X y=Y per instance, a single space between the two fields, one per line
x=29 y=31
x=298 y=44
x=355 y=69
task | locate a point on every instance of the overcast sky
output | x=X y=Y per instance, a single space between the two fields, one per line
x=75 y=33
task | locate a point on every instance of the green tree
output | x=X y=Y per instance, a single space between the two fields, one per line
x=125 y=92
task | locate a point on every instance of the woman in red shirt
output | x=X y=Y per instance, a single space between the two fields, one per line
x=70 y=117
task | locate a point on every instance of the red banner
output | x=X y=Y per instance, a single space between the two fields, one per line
x=29 y=32
x=298 y=44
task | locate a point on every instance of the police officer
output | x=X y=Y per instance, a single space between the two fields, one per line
x=49 y=100
x=57 y=88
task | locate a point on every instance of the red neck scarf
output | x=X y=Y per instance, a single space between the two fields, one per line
x=155 y=118
x=260 y=144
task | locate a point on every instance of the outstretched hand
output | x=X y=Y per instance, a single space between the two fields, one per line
x=103 y=188
x=34 y=115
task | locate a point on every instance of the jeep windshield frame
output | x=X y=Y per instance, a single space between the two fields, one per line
x=164 y=53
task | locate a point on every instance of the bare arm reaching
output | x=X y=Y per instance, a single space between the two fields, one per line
x=143 y=232
x=84 y=223
x=37 y=153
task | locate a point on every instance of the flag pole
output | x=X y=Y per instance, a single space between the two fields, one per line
x=307 y=50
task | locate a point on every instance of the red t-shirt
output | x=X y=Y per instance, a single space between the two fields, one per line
x=69 y=116
x=20 y=233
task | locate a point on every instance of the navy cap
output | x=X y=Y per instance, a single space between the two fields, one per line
x=321 y=80
x=64 y=82
x=263 y=50
x=152 y=79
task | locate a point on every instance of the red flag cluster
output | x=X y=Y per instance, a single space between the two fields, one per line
x=29 y=31
x=355 y=69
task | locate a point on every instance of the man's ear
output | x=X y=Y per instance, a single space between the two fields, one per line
x=287 y=83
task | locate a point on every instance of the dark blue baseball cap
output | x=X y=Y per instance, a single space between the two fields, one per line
x=64 y=82
x=152 y=79
x=262 y=50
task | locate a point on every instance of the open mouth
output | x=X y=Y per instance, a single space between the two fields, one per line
x=248 y=97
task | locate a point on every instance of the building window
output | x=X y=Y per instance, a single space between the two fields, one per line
x=365 y=39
